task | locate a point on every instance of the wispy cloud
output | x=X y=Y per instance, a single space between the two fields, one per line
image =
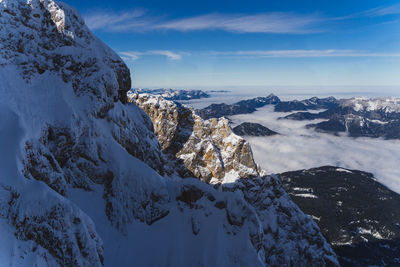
x=302 y=53
x=140 y=21
x=134 y=55
x=254 y=54
x=258 y=23
x=112 y=21
x=382 y=11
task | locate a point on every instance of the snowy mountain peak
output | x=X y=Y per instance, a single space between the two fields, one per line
x=387 y=104
x=55 y=41
x=171 y=94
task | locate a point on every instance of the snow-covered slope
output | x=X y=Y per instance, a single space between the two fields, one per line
x=80 y=168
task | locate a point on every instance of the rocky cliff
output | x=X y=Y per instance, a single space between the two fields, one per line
x=208 y=149
x=80 y=168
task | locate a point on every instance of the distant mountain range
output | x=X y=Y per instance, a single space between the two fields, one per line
x=241 y=107
x=172 y=94
x=313 y=103
x=252 y=129
x=358 y=117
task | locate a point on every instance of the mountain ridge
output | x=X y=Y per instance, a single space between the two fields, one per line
x=84 y=180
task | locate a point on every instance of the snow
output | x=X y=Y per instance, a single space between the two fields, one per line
x=375 y=234
x=166 y=241
x=388 y=104
x=315 y=217
x=304 y=195
x=343 y=170
x=378 y=121
x=303 y=189
x=231 y=177
x=232 y=139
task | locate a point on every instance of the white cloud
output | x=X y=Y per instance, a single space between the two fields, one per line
x=130 y=55
x=303 y=53
x=112 y=21
x=300 y=148
x=258 y=23
x=134 y=55
x=381 y=11
x=169 y=54
x=140 y=21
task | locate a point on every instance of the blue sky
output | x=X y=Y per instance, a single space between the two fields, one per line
x=251 y=43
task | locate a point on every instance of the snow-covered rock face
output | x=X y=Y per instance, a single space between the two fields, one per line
x=374 y=104
x=290 y=238
x=62 y=93
x=44 y=37
x=80 y=168
x=208 y=148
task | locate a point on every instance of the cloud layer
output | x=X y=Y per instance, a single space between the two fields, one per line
x=301 y=148
x=381 y=11
x=303 y=53
x=258 y=23
x=138 y=20
x=134 y=55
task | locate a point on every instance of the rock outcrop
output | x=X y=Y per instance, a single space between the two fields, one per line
x=208 y=149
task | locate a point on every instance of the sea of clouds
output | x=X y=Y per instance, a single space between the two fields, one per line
x=299 y=148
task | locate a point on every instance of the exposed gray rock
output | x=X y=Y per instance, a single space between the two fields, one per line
x=208 y=148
